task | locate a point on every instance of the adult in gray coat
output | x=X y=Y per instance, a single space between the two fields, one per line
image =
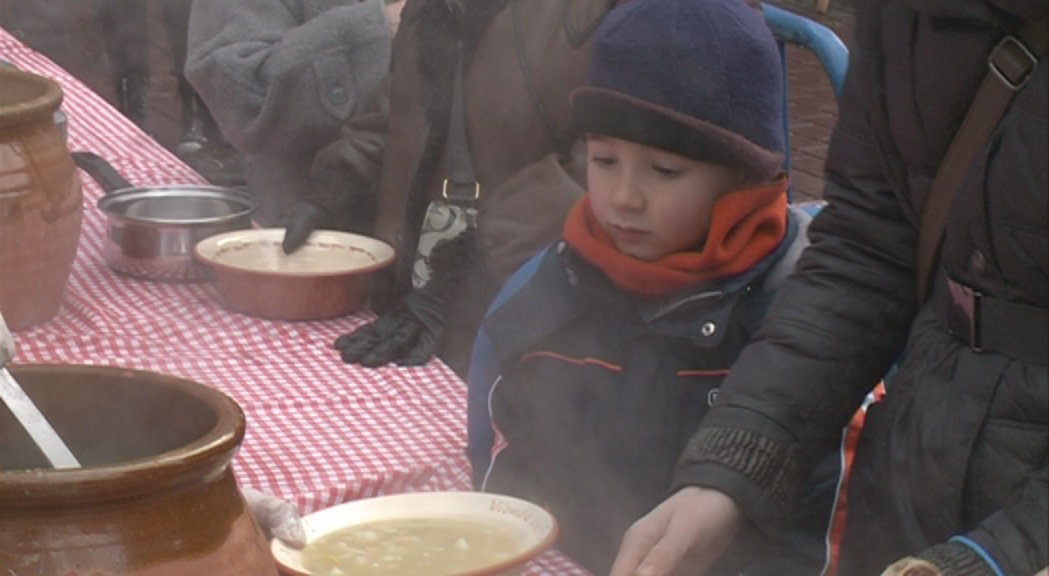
x=280 y=78
x=951 y=476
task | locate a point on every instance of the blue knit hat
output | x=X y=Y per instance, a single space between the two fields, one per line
x=699 y=78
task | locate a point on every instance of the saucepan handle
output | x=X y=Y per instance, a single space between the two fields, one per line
x=101 y=171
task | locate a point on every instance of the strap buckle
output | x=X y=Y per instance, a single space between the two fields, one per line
x=1012 y=63
x=969 y=303
x=458 y=198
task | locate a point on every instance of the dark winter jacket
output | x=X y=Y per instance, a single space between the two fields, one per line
x=522 y=60
x=597 y=390
x=959 y=446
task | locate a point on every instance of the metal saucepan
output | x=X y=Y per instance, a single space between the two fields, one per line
x=151 y=231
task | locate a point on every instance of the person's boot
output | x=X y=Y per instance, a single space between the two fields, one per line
x=192 y=137
x=202 y=147
x=131 y=91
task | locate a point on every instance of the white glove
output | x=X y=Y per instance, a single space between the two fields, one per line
x=278 y=518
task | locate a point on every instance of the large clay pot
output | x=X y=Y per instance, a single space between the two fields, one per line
x=156 y=495
x=40 y=200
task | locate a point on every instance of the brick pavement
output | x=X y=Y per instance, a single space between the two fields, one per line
x=811 y=101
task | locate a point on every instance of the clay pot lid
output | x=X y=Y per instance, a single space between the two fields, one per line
x=25 y=97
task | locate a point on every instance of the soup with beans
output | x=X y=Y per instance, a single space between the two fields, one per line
x=416 y=546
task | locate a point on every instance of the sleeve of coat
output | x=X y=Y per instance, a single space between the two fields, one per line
x=832 y=331
x=1016 y=538
x=277 y=74
x=356 y=156
x=1009 y=541
x=527 y=212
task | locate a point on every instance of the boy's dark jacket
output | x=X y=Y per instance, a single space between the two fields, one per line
x=598 y=390
x=961 y=443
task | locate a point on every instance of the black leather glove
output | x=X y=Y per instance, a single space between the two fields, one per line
x=335 y=202
x=300 y=223
x=340 y=193
x=407 y=334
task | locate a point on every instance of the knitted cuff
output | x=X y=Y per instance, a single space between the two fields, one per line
x=956 y=559
x=772 y=467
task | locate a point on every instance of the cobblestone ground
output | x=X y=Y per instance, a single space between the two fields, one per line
x=71 y=38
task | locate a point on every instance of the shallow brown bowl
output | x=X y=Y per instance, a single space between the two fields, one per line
x=328 y=277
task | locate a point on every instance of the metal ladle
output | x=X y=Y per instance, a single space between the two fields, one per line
x=26 y=412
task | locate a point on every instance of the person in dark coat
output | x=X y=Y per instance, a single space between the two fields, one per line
x=124 y=26
x=520 y=60
x=951 y=476
x=602 y=355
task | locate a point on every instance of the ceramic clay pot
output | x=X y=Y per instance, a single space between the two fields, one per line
x=156 y=495
x=40 y=200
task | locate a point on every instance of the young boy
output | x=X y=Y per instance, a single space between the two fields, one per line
x=599 y=359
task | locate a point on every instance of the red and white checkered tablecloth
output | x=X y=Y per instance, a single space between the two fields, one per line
x=318 y=432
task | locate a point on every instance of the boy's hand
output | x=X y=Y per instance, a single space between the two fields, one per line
x=278 y=518
x=685 y=535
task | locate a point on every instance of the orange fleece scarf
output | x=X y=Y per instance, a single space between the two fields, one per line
x=745 y=226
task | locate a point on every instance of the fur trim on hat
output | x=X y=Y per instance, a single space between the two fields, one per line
x=618 y=115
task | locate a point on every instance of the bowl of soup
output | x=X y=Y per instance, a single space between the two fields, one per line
x=422 y=534
x=328 y=277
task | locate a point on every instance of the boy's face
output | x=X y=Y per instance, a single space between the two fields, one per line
x=651 y=202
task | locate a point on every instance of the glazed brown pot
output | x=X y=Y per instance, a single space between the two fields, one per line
x=40 y=200
x=156 y=495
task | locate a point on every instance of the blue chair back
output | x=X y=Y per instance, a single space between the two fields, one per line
x=790 y=28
